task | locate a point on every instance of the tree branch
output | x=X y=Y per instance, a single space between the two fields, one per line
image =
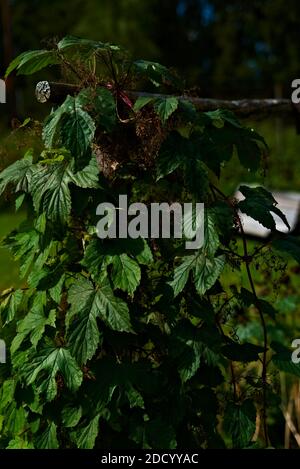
x=242 y=107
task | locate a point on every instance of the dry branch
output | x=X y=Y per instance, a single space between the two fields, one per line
x=242 y=107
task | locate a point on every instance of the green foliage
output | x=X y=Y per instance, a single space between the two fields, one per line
x=240 y=422
x=258 y=204
x=132 y=342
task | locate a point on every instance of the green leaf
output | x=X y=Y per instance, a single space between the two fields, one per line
x=50 y=191
x=34 y=323
x=32 y=61
x=71 y=415
x=240 y=422
x=156 y=73
x=196 y=177
x=48 y=439
x=249 y=152
x=15 y=419
x=165 y=107
x=50 y=187
x=71 y=127
x=88 y=177
x=7 y=392
x=126 y=273
x=84 y=46
x=207 y=271
x=113 y=310
x=44 y=366
x=85 y=437
x=289 y=245
x=181 y=274
x=225 y=116
x=174 y=153
x=77 y=129
x=141 y=102
x=90 y=303
x=205 y=267
x=101 y=104
x=242 y=352
x=283 y=360
x=19 y=443
x=216 y=146
x=19 y=173
x=186 y=350
x=259 y=204
x=10 y=305
x=84 y=337
x=19 y=201
x=143 y=252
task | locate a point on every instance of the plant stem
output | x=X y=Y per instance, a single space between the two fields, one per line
x=247 y=259
x=263 y=323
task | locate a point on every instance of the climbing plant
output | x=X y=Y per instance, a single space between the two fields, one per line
x=134 y=342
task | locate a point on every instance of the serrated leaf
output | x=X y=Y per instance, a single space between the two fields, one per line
x=51 y=193
x=15 y=419
x=165 y=107
x=7 y=392
x=84 y=337
x=205 y=267
x=207 y=271
x=90 y=303
x=240 y=422
x=88 y=177
x=71 y=415
x=181 y=274
x=126 y=273
x=19 y=173
x=44 y=366
x=50 y=187
x=48 y=439
x=85 y=437
x=34 y=323
x=71 y=127
x=10 y=305
x=113 y=310
x=259 y=204
x=19 y=443
x=77 y=129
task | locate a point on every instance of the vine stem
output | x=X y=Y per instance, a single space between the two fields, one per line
x=264 y=328
x=247 y=260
